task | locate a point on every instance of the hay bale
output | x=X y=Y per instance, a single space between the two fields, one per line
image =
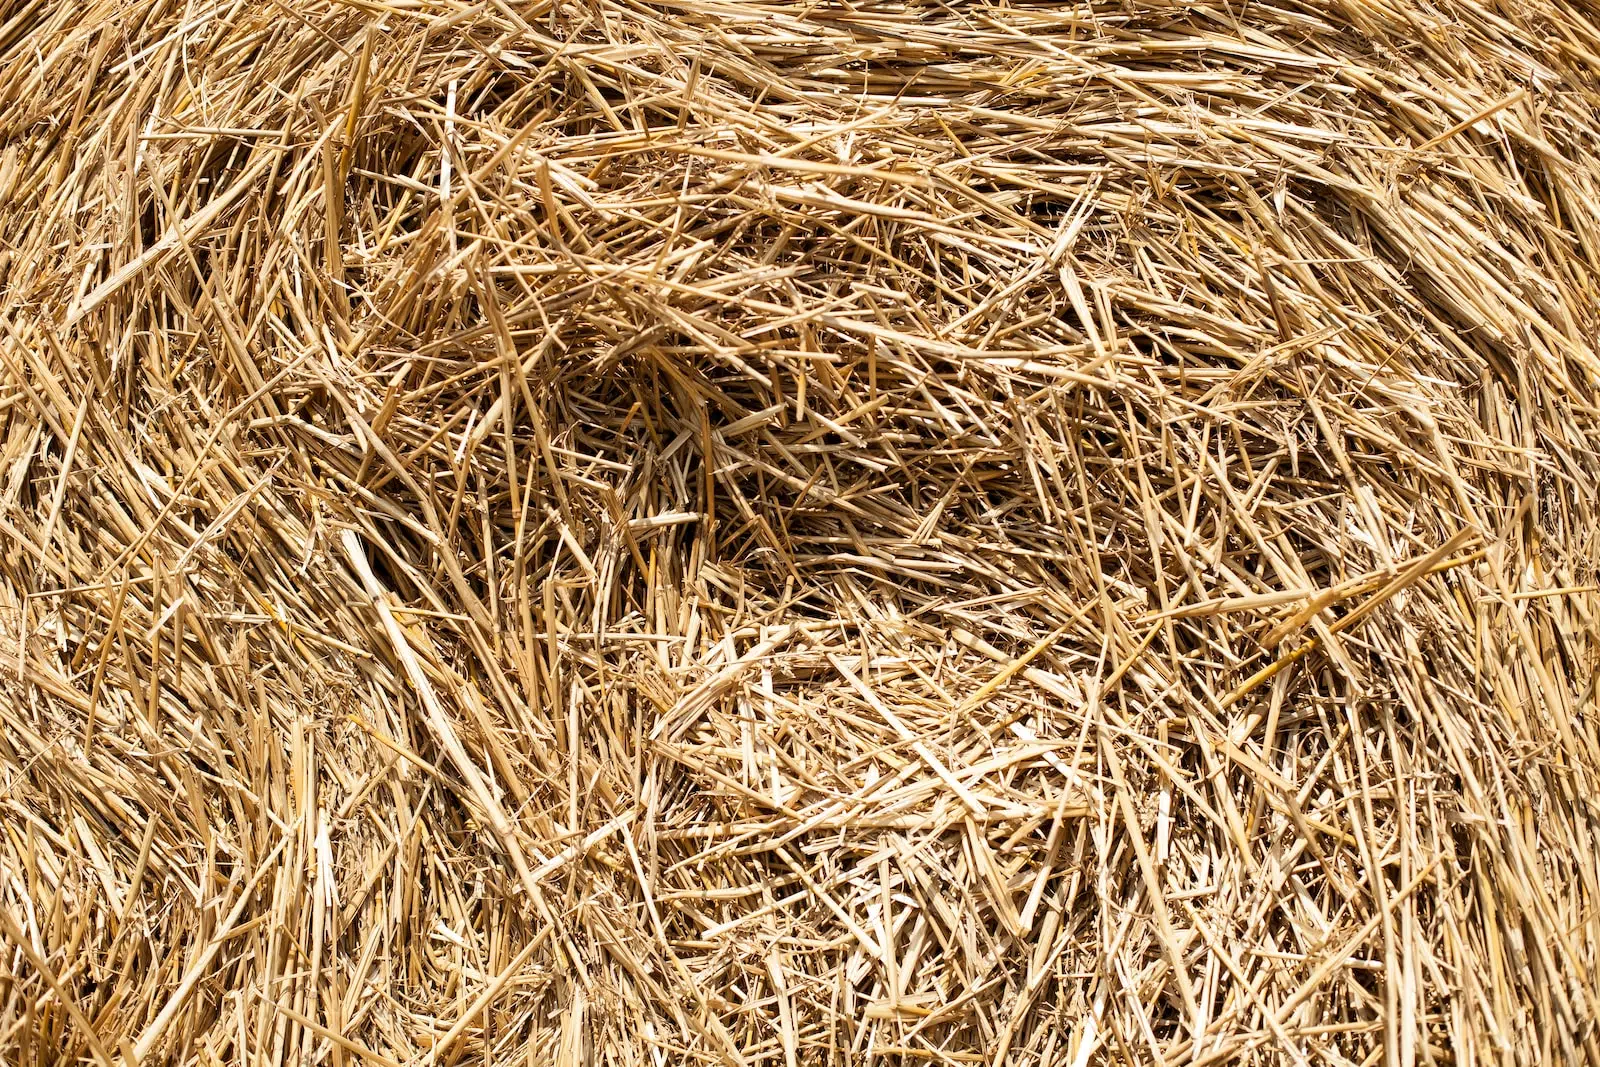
x=626 y=532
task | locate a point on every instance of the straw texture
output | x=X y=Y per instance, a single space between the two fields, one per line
x=636 y=532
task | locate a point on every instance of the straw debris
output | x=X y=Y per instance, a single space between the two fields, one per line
x=746 y=532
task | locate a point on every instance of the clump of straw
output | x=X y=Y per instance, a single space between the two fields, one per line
x=633 y=532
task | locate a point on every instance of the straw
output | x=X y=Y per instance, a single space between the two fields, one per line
x=755 y=532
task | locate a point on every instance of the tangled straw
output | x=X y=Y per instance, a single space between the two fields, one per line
x=635 y=532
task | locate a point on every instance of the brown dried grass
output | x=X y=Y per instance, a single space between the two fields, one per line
x=640 y=532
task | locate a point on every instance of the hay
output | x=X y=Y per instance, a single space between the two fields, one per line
x=623 y=532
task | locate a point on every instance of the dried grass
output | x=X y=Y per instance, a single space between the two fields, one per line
x=633 y=532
